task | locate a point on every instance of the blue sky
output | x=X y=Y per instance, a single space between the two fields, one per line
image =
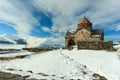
x=51 y=18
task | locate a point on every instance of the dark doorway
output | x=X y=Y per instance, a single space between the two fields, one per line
x=71 y=43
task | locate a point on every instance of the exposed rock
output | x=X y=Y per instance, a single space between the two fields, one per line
x=9 y=76
x=43 y=74
x=30 y=71
x=99 y=76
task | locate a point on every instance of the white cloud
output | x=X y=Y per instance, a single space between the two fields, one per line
x=118 y=28
x=67 y=13
x=45 y=29
x=112 y=37
x=15 y=12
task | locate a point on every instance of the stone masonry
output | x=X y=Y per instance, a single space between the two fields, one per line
x=87 y=38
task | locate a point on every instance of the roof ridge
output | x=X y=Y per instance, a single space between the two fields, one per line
x=85 y=20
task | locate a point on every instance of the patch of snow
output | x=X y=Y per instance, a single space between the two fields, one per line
x=11 y=46
x=49 y=43
x=116 y=46
x=72 y=31
x=10 y=38
x=16 y=53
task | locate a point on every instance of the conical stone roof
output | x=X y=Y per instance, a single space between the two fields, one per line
x=85 y=20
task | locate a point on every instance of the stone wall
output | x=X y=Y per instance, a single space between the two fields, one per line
x=96 y=45
x=82 y=35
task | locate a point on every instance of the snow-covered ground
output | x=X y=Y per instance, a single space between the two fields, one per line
x=102 y=62
x=9 y=37
x=67 y=64
x=50 y=63
x=116 y=46
x=11 y=46
x=14 y=53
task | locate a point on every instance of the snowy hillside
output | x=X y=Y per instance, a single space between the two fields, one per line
x=34 y=41
x=29 y=41
x=50 y=43
x=10 y=36
x=58 y=65
x=8 y=41
x=37 y=42
x=67 y=64
x=50 y=63
x=8 y=54
x=11 y=39
x=11 y=46
x=102 y=62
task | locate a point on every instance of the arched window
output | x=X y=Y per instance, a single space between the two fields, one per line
x=81 y=32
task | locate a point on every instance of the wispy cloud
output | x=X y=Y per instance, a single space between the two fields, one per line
x=17 y=12
x=113 y=37
x=45 y=29
x=118 y=28
x=67 y=13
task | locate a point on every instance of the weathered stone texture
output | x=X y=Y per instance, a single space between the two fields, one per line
x=87 y=38
x=97 y=45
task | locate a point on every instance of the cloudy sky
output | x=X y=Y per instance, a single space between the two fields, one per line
x=51 y=18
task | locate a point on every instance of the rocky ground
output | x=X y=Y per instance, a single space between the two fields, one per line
x=9 y=76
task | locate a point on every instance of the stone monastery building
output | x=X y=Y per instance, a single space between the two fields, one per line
x=87 y=38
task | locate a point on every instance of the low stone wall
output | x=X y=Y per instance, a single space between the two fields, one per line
x=38 y=49
x=11 y=58
x=95 y=45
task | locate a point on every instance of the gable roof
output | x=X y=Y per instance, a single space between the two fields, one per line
x=85 y=20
